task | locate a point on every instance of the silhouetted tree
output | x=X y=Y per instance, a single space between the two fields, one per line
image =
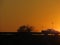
x=50 y=31
x=25 y=28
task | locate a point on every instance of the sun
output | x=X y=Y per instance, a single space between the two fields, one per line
x=57 y=29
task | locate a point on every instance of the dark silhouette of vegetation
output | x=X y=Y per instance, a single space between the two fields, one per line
x=25 y=29
x=29 y=38
x=50 y=31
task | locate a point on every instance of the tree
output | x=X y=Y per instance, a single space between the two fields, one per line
x=25 y=28
x=50 y=31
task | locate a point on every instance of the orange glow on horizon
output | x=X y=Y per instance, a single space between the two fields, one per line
x=37 y=13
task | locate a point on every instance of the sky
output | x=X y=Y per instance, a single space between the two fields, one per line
x=38 y=13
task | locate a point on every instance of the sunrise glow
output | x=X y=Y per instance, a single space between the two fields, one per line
x=37 y=13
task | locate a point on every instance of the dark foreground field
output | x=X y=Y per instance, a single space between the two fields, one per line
x=28 y=38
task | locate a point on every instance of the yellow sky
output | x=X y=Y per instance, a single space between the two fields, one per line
x=38 y=13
